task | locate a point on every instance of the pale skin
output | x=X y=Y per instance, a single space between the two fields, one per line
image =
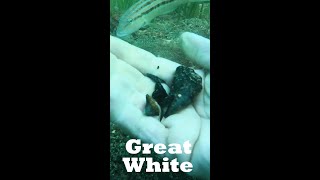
x=129 y=87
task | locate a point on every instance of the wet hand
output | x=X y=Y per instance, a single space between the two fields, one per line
x=129 y=87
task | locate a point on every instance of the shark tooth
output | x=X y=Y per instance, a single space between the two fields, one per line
x=186 y=85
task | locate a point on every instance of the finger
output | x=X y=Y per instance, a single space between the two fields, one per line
x=197 y=48
x=206 y=96
x=122 y=75
x=143 y=60
x=201 y=153
x=128 y=84
x=202 y=101
x=183 y=126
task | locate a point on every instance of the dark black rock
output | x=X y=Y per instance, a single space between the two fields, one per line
x=186 y=85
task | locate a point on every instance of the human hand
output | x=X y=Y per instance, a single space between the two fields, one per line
x=129 y=87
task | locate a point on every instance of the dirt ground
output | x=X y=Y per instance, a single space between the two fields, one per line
x=161 y=38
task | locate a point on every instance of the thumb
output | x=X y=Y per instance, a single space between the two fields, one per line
x=197 y=48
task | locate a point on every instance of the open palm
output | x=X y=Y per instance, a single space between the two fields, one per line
x=129 y=87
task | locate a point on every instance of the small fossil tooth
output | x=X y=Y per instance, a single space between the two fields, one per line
x=152 y=107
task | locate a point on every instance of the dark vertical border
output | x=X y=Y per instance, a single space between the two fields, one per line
x=62 y=91
x=254 y=49
x=217 y=88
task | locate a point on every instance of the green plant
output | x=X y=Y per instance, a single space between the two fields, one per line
x=191 y=10
x=120 y=6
